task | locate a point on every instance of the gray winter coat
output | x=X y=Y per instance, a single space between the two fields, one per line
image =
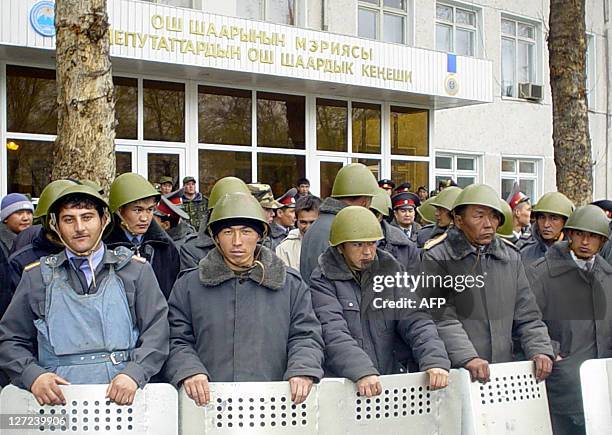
x=316 y=239
x=361 y=338
x=18 y=343
x=416 y=228
x=479 y=320
x=7 y=238
x=400 y=247
x=195 y=247
x=257 y=326
x=278 y=233
x=577 y=308
x=606 y=251
x=179 y=233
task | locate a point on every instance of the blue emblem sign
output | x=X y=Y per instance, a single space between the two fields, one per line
x=42 y=18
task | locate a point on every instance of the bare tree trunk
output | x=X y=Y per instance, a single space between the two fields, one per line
x=86 y=127
x=571 y=141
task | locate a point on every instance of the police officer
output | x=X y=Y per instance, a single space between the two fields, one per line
x=285 y=216
x=573 y=287
x=443 y=203
x=242 y=315
x=387 y=185
x=521 y=212
x=354 y=185
x=404 y=213
x=394 y=241
x=362 y=338
x=551 y=212
x=263 y=194
x=488 y=299
x=88 y=315
x=196 y=246
x=173 y=220
x=132 y=201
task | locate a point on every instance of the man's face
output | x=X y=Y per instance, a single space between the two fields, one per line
x=404 y=216
x=550 y=225
x=305 y=219
x=389 y=190
x=138 y=215
x=165 y=188
x=303 y=189
x=190 y=188
x=286 y=217
x=19 y=221
x=238 y=245
x=422 y=194
x=443 y=217
x=79 y=227
x=358 y=255
x=478 y=223
x=270 y=213
x=522 y=213
x=585 y=244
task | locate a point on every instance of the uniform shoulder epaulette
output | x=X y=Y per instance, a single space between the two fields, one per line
x=139 y=259
x=435 y=241
x=31 y=266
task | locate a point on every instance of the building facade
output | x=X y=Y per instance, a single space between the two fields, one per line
x=272 y=90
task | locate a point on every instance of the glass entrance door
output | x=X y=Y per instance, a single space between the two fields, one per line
x=151 y=162
x=328 y=168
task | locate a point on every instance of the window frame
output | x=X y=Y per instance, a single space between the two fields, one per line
x=454 y=26
x=380 y=11
x=536 y=41
x=454 y=172
x=517 y=175
x=591 y=78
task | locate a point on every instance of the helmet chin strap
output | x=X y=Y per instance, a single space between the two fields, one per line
x=89 y=254
x=125 y=225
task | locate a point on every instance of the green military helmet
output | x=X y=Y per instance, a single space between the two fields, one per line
x=238 y=205
x=428 y=211
x=555 y=203
x=355 y=224
x=95 y=186
x=224 y=186
x=130 y=187
x=382 y=202
x=354 y=180
x=446 y=198
x=71 y=190
x=589 y=218
x=480 y=194
x=506 y=229
x=48 y=196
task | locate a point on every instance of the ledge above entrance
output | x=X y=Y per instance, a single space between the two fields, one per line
x=175 y=42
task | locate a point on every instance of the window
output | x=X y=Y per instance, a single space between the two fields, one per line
x=456 y=30
x=415 y=173
x=224 y=116
x=164 y=111
x=591 y=68
x=519 y=54
x=332 y=125
x=281 y=120
x=522 y=171
x=409 y=131
x=214 y=165
x=279 y=170
x=29 y=165
x=276 y=11
x=461 y=168
x=385 y=20
x=366 y=127
x=126 y=107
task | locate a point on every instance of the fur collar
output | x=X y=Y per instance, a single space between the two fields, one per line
x=331 y=206
x=213 y=270
x=460 y=248
x=394 y=235
x=559 y=260
x=334 y=268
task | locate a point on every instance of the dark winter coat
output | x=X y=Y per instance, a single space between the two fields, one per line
x=156 y=247
x=577 y=309
x=256 y=326
x=429 y=232
x=361 y=338
x=533 y=247
x=480 y=320
x=400 y=247
x=179 y=233
x=416 y=228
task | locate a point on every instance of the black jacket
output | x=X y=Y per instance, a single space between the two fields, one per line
x=156 y=247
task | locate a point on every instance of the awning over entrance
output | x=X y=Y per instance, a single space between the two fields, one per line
x=188 y=43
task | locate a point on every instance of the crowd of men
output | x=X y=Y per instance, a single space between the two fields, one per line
x=142 y=284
